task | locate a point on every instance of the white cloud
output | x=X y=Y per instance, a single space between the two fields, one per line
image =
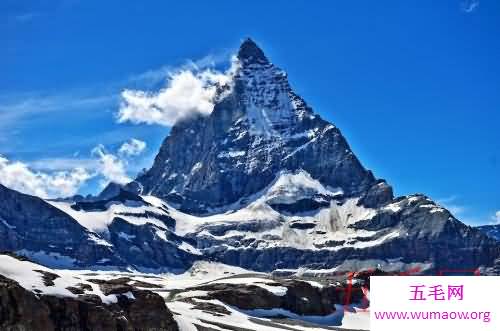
x=496 y=218
x=18 y=176
x=111 y=167
x=469 y=6
x=188 y=91
x=133 y=147
x=63 y=177
x=451 y=204
x=58 y=164
x=456 y=209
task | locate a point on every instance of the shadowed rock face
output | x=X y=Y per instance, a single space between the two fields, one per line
x=23 y=310
x=260 y=128
x=32 y=227
x=492 y=231
x=300 y=297
x=423 y=232
x=30 y=224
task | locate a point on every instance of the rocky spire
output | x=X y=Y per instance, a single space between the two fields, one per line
x=251 y=53
x=258 y=130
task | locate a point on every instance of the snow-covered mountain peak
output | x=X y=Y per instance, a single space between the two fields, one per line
x=270 y=107
x=257 y=129
x=250 y=53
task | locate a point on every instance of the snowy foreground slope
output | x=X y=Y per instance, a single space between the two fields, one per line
x=208 y=296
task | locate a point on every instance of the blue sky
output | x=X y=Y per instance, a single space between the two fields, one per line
x=413 y=85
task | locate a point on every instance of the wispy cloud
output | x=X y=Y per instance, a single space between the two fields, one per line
x=496 y=218
x=161 y=74
x=63 y=164
x=14 y=108
x=469 y=6
x=62 y=177
x=112 y=168
x=22 y=108
x=453 y=206
x=461 y=211
x=26 y=17
x=133 y=147
x=189 y=87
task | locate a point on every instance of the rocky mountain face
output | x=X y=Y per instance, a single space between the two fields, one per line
x=31 y=225
x=46 y=232
x=208 y=295
x=257 y=129
x=46 y=301
x=262 y=183
x=296 y=193
x=24 y=310
x=492 y=231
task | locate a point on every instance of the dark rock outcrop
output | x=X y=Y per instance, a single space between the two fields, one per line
x=492 y=231
x=23 y=310
x=149 y=246
x=36 y=229
x=300 y=298
x=30 y=225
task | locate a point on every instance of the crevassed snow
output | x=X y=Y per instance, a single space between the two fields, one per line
x=287 y=187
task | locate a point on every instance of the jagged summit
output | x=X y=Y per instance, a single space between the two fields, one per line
x=249 y=52
x=258 y=129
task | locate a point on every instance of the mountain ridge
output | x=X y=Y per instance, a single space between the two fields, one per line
x=262 y=127
x=261 y=183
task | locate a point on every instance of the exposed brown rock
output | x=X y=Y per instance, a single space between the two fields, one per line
x=47 y=277
x=22 y=310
